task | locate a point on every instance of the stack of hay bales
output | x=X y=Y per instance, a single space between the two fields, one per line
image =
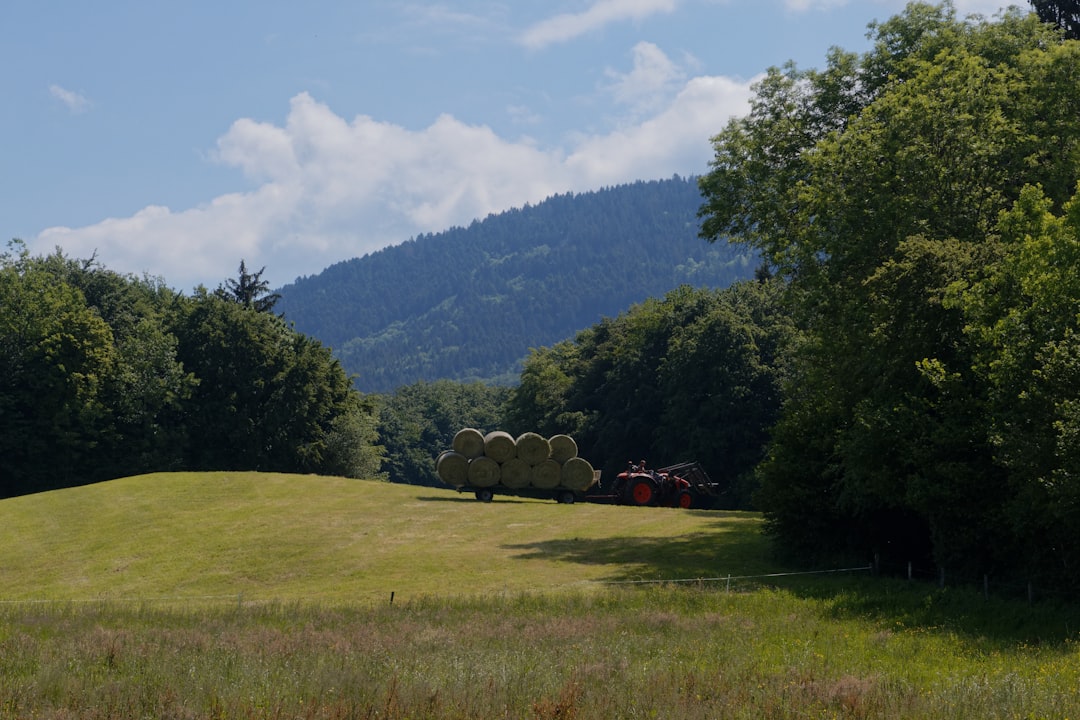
x=528 y=461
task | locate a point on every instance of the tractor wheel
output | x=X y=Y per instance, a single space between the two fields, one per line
x=685 y=500
x=566 y=497
x=485 y=495
x=642 y=491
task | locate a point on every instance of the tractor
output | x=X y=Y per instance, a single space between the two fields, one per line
x=680 y=485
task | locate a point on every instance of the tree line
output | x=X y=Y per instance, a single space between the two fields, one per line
x=919 y=202
x=104 y=375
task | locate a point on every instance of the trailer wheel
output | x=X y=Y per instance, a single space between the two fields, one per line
x=485 y=495
x=566 y=497
x=685 y=500
x=642 y=491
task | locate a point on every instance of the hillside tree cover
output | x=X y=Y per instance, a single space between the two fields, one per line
x=466 y=304
x=694 y=375
x=104 y=375
x=917 y=200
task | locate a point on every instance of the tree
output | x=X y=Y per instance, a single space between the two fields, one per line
x=56 y=356
x=268 y=398
x=249 y=290
x=1065 y=14
x=1023 y=315
x=873 y=204
x=692 y=376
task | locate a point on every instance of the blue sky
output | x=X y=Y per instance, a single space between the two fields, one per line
x=177 y=138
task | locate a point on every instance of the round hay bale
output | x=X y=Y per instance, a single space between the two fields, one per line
x=499 y=446
x=563 y=448
x=484 y=472
x=577 y=474
x=452 y=468
x=515 y=473
x=533 y=448
x=545 y=475
x=469 y=442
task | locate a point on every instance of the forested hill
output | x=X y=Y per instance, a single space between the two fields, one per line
x=468 y=303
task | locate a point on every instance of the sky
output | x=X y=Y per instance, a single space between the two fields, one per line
x=175 y=139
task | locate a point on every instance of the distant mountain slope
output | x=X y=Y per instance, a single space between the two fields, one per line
x=468 y=303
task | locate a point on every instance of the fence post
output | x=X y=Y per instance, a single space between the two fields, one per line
x=909 y=574
x=941 y=581
x=728 y=589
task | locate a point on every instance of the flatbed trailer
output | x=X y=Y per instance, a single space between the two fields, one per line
x=562 y=495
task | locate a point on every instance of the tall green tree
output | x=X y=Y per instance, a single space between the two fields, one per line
x=56 y=357
x=268 y=398
x=1023 y=317
x=874 y=187
x=249 y=289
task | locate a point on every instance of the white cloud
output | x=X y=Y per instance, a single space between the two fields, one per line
x=568 y=26
x=329 y=189
x=649 y=85
x=74 y=102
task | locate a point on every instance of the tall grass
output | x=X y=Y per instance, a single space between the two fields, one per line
x=841 y=648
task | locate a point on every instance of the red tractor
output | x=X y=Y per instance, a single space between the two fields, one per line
x=672 y=486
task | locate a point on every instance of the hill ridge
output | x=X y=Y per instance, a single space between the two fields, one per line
x=274 y=536
x=469 y=302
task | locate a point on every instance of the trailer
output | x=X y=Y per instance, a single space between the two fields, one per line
x=562 y=495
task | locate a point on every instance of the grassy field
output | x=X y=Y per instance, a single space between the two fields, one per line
x=294 y=537
x=253 y=596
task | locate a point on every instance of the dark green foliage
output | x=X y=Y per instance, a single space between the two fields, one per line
x=928 y=408
x=692 y=376
x=419 y=421
x=1065 y=14
x=267 y=396
x=468 y=303
x=104 y=375
x=249 y=290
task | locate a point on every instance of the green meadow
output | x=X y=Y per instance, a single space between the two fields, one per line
x=247 y=595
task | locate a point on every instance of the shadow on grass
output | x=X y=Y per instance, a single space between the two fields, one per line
x=985 y=624
x=725 y=549
x=463 y=499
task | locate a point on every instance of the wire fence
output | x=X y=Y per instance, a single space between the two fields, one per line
x=914 y=573
x=729 y=578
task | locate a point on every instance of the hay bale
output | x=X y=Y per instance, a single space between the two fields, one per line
x=499 y=446
x=563 y=448
x=484 y=472
x=469 y=442
x=577 y=474
x=515 y=473
x=452 y=468
x=545 y=475
x=533 y=448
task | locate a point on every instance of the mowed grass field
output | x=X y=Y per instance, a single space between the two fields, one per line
x=273 y=537
x=247 y=595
